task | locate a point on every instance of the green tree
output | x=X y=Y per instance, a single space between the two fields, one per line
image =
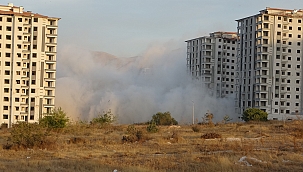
x=254 y=114
x=56 y=119
x=103 y=119
x=163 y=119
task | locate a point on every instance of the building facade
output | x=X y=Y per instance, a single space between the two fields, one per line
x=212 y=60
x=28 y=43
x=269 y=63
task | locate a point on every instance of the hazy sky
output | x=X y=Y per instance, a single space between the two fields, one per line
x=128 y=27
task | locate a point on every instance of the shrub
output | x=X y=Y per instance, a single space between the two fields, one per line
x=254 y=114
x=211 y=136
x=196 y=128
x=163 y=119
x=103 y=119
x=27 y=135
x=152 y=128
x=134 y=135
x=56 y=119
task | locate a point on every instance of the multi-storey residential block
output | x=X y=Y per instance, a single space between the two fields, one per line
x=269 y=62
x=28 y=43
x=212 y=60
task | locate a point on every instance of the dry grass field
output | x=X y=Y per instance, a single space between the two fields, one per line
x=266 y=146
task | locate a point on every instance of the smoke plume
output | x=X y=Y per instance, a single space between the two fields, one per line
x=133 y=88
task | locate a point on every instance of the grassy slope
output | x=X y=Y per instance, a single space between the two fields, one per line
x=271 y=146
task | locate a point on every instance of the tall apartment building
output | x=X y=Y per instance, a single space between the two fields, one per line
x=28 y=43
x=269 y=62
x=212 y=60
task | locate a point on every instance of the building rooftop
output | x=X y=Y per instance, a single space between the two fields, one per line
x=10 y=9
x=279 y=12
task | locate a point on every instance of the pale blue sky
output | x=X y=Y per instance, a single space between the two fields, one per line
x=129 y=27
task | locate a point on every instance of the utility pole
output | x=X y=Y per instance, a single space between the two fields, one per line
x=193 y=112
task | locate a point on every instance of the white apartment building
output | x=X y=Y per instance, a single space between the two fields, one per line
x=269 y=63
x=28 y=43
x=212 y=60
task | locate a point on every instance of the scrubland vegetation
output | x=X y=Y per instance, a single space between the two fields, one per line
x=102 y=146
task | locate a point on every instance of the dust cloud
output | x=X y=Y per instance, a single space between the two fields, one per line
x=133 y=88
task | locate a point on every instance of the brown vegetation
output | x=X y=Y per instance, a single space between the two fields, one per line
x=253 y=146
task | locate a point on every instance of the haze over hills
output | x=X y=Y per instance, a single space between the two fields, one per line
x=133 y=88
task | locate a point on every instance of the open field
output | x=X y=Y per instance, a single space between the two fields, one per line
x=268 y=146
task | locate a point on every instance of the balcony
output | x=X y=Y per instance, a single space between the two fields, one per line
x=51 y=26
x=51 y=35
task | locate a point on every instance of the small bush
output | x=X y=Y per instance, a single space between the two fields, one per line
x=254 y=114
x=196 y=128
x=56 y=119
x=103 y=119
x=163 y=119
x=152 y=128
x=27 y=135
x=211 y=136
x=134 y=135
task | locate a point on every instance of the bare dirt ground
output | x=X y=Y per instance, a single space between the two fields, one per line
x=266 y=146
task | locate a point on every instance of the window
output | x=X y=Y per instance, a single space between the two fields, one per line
x=8 y=37
x=6 y=90
x=19 y=37
x=299 y=21
x=298 y=58
x=35 y=28
x=299 y=43
x=9 y=19
x=290 y=20
x=34 y=47
x=289 y=43
x=34 y=54
x=299 y=36
x=298 y=51
x=290 y=35
x=289 y=50
x=33 y=90
x=298 y=66
x=279 y=18
x=17 y=72
x=8 y=46
x=5 y=107
x=278 y=33
x=7 y=63
x=279 y=25
x=34 y=82
x=7 y=54
x=8 y=28
x=7 y=72
x=299 y=28
x=20 y=19
x=290 y=28
x=5 y=116
x=35 y=19
x=297 y=89
x=16 y=99
x=6 y=99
